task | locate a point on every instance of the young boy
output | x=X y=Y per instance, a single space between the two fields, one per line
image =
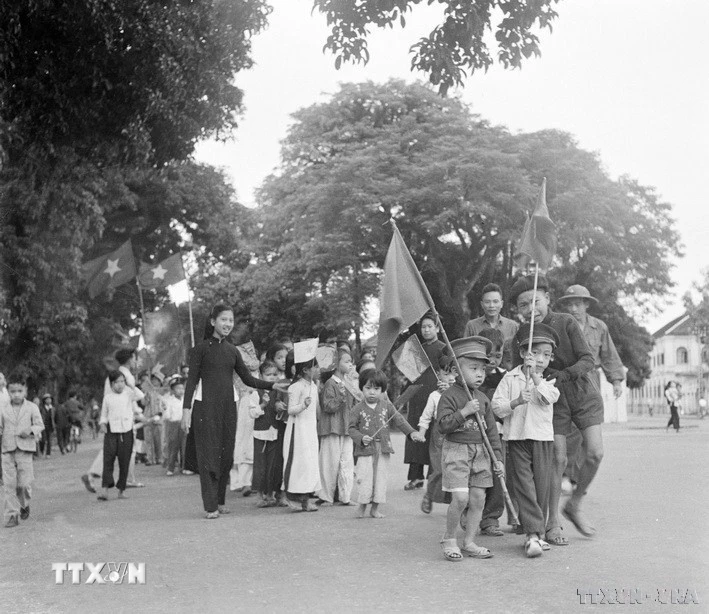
x=20 y=427
x=369 y=429
x=494 y=497
x=526 y=403
x=172 y=416
x=434 y=493
x=465 y=461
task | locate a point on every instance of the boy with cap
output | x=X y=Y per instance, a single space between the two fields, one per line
x=525 y=401
x=579 y=403
x=464 y=459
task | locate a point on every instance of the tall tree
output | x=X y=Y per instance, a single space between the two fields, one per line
x=101 y=104
x=459 y=190
x=460 y=43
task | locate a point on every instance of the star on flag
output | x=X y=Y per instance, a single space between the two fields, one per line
x=110 y=270
x=165 y=273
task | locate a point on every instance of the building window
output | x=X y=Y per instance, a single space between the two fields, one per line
x=682 y=356
x=662 y=358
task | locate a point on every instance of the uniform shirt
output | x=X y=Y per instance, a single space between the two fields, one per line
x=533 y=420
x=605 y=356
x=507 y=327
x=572 y=358
x=464 y=429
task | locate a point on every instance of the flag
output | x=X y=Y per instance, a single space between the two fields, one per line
x=109 y=271
x=326 y=355
x=249 y=355
x=404 y=297
x=163 y=274
x=166 y=341
x=304 y=351
x=411 y=359
x=538 y=242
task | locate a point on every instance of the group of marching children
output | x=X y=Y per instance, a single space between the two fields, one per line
x=306 y=441
x=521 y=401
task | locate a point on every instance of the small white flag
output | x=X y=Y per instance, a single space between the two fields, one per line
x=304 y=351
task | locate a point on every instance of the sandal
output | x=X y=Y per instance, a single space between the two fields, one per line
x=451 y=552
x=223 y=510
x=533 y=548
x=476 y=552
x=410 y=485
x=212 y=515
x=426 y=504
x=573 y=514
x=545 y=545
x=492 y=531
x=555 y=538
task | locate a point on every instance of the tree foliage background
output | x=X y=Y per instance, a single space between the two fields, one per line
x=102 y=102
x=459 y=189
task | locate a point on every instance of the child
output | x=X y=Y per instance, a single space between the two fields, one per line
x=301 y=473
x=528 y=412
x=241 y=474
x=117 y=414
x=172 y=416
x=494 y=497
x=268 y=470
x=278 y=353
x=416 y=455
x=46 y=410
x=20 y=428
x=434 y=493
x=336 y=460
x=465 y=461
x=369 y=430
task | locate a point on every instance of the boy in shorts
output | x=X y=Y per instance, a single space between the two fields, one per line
x=465 y=462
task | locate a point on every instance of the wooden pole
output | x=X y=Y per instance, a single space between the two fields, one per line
x=478 y=420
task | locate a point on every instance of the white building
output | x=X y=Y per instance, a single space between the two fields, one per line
x=678 y=355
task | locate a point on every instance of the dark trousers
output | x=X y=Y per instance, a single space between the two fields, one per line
x=63 y=437
x=531 y=470
x=116 y=446
x=416 y=471
x=268 y=466
x=214 y=485
x=190 y=461
x=575 y=455
x=45 y=443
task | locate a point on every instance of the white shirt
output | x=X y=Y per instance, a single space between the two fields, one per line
x=173 y=408
x=533 y=420
x=118 y=410
x=429 y=412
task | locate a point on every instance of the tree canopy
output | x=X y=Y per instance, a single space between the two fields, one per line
x=101 y=104
x=459 y=44
x=459 y=189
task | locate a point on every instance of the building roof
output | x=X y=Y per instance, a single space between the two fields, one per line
x=678 y=326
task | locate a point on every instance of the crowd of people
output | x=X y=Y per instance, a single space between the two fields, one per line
x=495 y=418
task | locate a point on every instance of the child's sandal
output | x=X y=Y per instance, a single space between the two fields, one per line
x=451 y=551
x=476 y=552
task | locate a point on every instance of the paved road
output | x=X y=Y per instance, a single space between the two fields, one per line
x=648 y=504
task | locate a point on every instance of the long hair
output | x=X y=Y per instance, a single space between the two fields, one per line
x=208 y=328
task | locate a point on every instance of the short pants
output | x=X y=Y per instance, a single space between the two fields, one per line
x=579 y=403
x=465 y=465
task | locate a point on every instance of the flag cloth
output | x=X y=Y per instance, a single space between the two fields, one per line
x=109 y=271
x=404 y=297
x=249 y=355
x=169 y=271
x=166 y=340
x=304 y=351
x=411 y=359
x=326 y=355
x=538 y=242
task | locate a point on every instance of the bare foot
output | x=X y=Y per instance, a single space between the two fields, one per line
x=361 y=511
x=374 y=514
x=122 y=495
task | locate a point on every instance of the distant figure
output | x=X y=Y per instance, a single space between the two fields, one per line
x=672 y=395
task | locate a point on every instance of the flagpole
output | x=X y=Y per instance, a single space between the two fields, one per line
x=531 y=321
x=189 y=301
x=143 y=320
x=476 y=415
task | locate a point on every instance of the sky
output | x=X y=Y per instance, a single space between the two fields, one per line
x=627 y=78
